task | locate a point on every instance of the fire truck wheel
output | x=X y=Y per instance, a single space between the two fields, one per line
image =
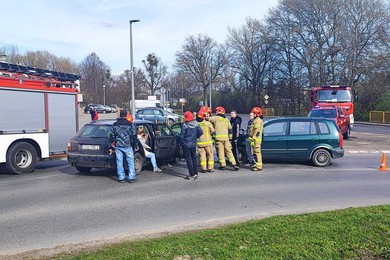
x=21 y=158
x=84 y=169
x=138 y=162
x=321 y=158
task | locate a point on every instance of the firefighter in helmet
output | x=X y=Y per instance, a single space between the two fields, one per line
x=205 y=143
x=255 y=135
x=223 y=135
x=207 y=110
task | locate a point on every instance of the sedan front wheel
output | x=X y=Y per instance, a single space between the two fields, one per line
x=321 y=158
x=138 y=163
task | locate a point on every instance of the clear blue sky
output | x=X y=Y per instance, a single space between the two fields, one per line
x=76 y=28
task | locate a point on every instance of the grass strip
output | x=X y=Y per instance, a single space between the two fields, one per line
x=354 y=233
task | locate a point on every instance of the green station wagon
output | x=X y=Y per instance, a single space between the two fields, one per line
x=301 y=139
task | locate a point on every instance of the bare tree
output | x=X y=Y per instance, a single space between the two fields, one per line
x=95 y=73
x=12 y=53
x=203 y=59
x=155 y=72
x=364 y=22
x=250 y=55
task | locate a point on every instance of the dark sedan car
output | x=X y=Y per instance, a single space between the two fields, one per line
x=300 y=139
x=90 y=147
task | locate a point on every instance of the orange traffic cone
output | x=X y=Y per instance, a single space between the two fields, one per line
x=383 y=166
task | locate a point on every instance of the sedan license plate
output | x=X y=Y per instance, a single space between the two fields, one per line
x=90 y=147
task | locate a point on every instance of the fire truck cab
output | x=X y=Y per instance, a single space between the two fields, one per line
x=38 y=115
x=334 y=95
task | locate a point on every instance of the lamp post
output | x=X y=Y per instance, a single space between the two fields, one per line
x=104 y=94
x=211 y=83
x=132 y=69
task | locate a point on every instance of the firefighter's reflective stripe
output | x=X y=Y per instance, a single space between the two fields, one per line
x=203 y=163
x=205 y=142
x=222 y=128
x=221 y=136
x=205 y=138
x=257 y=140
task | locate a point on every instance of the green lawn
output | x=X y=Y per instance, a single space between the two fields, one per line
x=355 y=233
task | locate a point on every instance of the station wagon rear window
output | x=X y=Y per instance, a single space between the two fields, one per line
x=324 y=129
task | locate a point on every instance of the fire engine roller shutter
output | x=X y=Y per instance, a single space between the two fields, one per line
x=21 y=111
x=62 y=121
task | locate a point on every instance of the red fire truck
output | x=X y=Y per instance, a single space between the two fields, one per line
x=334 y=95
x=38 y=115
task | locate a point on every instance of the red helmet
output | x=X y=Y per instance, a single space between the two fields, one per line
x=209 y=111
x=257 y=111
x=130 y=118
x=206 y=109
x=202 y=114
x=220 y=110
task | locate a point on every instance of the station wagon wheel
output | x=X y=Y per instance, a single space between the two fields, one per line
x=321 y=158
x=84 y=169
x=138 y=162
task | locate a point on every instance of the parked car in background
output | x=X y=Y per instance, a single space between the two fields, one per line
x=338 y=114
x=99 y=108
x=90 y=147
x=87 y=109
x=158 y=115
x=109 y=109
x=299 y=139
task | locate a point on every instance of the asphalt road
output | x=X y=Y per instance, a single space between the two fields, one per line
x=55 y=205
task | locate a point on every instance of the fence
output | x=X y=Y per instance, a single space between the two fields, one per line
x=380 y=116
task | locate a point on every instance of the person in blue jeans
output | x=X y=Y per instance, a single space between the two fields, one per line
x=125 y=138
x=143 y=138
x=190 y=132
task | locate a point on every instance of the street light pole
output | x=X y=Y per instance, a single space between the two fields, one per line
x=211 y=83
x=132 y=69
x=104 y=94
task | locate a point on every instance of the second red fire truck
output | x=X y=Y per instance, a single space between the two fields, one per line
x=334 y=95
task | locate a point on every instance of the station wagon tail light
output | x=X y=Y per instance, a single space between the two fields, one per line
x=341 y=140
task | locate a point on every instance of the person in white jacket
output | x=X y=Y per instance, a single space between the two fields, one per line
x=143 y=137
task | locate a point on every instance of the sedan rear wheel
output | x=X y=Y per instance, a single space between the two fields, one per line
x=321 y=158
